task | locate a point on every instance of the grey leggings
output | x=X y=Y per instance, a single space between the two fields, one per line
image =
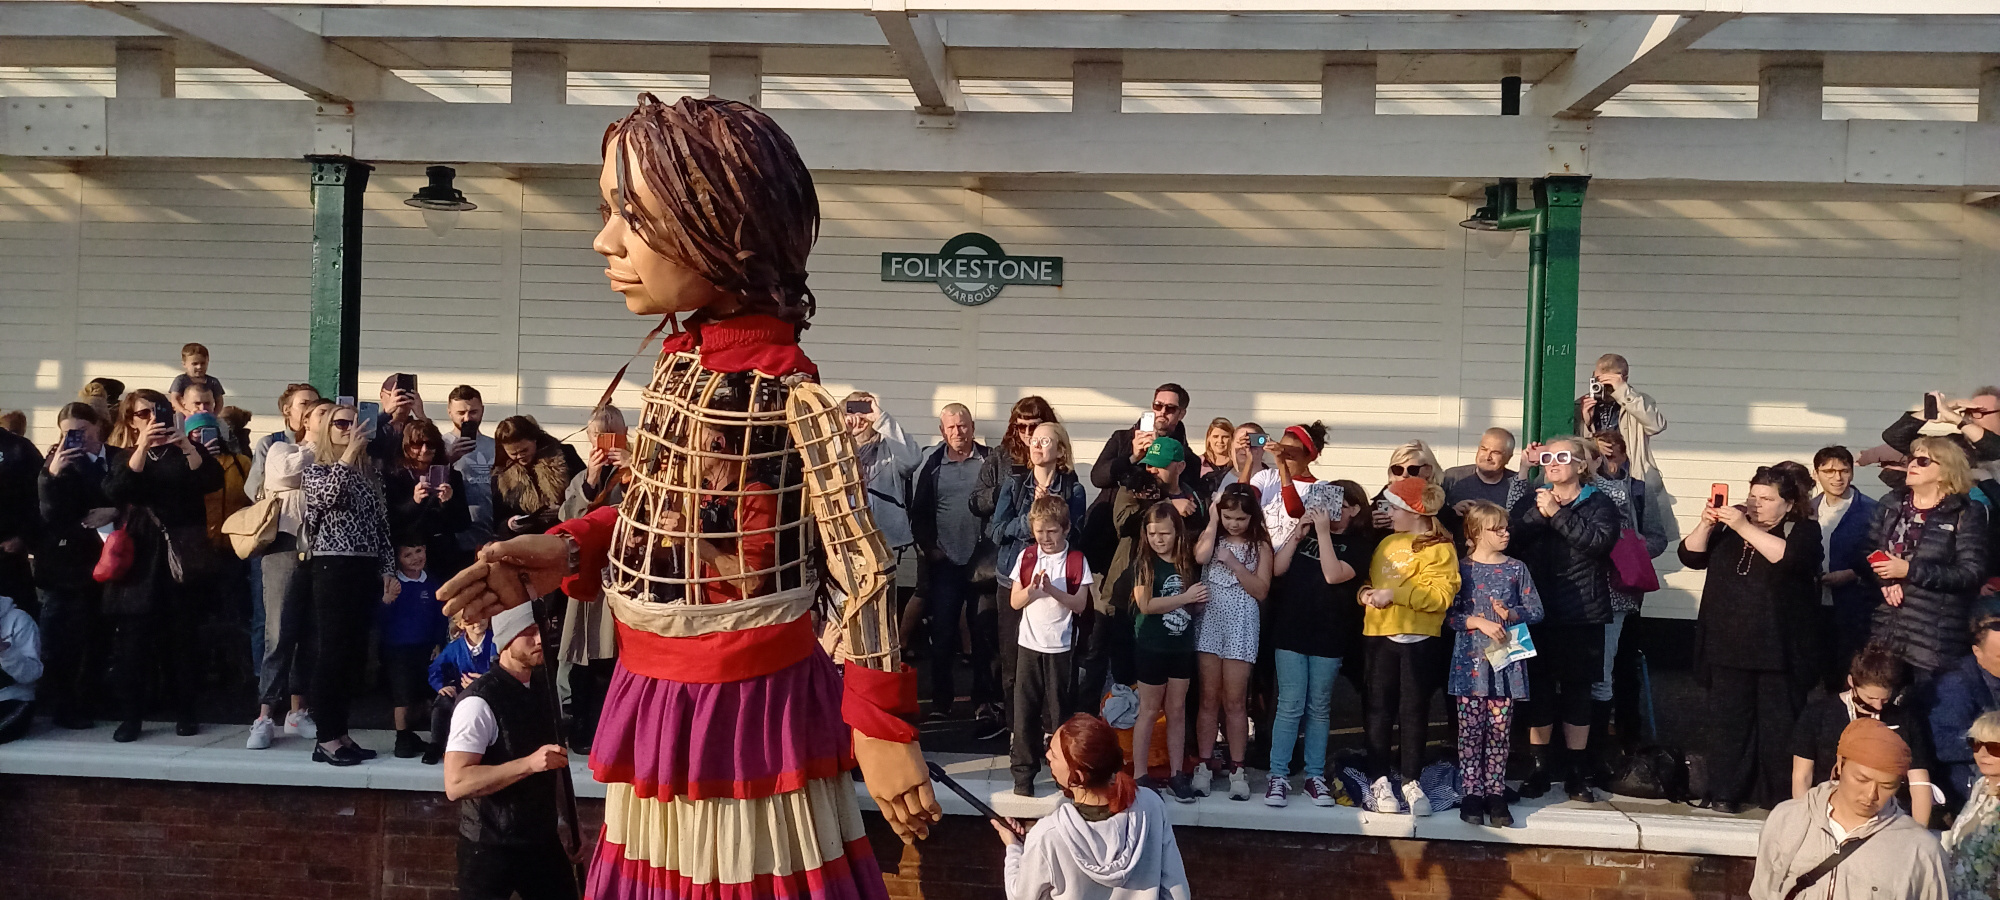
x=287 y=652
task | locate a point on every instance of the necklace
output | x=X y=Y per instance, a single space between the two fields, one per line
x=1743 y=563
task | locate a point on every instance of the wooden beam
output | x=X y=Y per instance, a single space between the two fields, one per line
x=919 y=50
x=1615 y=59
x=275 y=47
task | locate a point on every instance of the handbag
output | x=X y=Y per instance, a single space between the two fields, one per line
x=1631 y=566
x=115 y=558
x=190 y=555
x=254 y=527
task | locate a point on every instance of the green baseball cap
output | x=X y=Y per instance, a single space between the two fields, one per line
x=1164 y=452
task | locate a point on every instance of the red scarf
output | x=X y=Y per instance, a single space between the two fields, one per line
x=764 y=343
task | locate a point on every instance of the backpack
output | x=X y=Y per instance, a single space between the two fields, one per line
x=1072 y=566
x=1652 y=773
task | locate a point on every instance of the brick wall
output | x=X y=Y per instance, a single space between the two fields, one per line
x=86 y=838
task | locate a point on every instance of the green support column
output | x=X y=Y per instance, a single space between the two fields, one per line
x=1560 y=199
x=334 y=346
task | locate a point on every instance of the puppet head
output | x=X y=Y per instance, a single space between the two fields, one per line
x=707 y=210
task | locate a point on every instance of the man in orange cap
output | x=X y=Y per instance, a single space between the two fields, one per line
x=1847 y=839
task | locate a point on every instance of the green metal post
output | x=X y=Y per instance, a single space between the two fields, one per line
x=1560 y=198
x=334 y=349
x=1533 y=375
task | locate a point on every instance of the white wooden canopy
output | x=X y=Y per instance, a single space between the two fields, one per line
x=353 y=59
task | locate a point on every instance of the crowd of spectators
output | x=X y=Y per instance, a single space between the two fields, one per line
x=1219 y=581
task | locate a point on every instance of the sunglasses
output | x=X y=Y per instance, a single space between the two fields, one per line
x=1166 y=407
x=341 y=424
x=1027 y=425
x=1920 y=462
x=1414 y=470
x=1041 y=443
x=1992 y=748
x=1558 y=457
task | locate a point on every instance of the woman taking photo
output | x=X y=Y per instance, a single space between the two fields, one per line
x=1934 y=539
x=1111 y=841
x=73 y=507
x=434 y=514
x=530 y=476
x=352 y=569
x=1762 y=560
x=287 y=660
x=160 y=484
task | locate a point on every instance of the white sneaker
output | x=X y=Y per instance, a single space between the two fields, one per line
x=1276 y=791
x=1239 y=784
x=1413 y=794
x=1202 y=779
x=260 y=733
x=299 y=723
x=1384 y=796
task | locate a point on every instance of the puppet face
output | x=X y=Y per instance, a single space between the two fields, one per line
x=653 y=285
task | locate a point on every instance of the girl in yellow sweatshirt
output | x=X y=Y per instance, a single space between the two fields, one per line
x=1411 y=583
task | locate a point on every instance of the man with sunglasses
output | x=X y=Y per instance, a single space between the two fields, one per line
x=1564 y=531
x=1119 y=464
x=1962 y=693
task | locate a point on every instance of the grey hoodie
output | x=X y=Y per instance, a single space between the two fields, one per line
x=20 y=652
x=1901 y=861
x=1129 y=856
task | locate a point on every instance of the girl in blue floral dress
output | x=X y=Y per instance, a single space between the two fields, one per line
x=1495 y=593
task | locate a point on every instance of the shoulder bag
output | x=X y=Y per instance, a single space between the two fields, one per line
x=115 y=558
x=1826 y=866
x=254 y=527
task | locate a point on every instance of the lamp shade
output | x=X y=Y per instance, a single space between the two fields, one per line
x=440 y=201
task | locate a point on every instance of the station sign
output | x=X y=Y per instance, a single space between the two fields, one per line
x=971 y=269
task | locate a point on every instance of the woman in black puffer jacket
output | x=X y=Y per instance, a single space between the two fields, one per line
x=1935 y=539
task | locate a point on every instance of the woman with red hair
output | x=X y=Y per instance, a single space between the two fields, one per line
x=1110 y=842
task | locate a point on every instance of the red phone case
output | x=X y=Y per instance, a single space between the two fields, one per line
x=1878 y=556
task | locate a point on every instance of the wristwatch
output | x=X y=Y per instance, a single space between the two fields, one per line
x=574 y=561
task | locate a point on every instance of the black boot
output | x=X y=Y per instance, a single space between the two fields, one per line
x=1539 y=778
x=1604 y=752
x=1472 y=810
x=1575 y=784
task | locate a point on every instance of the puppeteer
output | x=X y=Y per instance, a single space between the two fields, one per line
x=758 y=662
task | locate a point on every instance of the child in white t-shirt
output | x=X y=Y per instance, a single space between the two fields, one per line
x=1051 y=585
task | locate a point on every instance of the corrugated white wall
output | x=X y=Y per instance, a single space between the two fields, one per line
x=1766 y=326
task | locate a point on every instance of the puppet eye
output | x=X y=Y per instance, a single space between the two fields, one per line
x=604 y=209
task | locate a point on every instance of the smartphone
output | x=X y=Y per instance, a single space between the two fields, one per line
x=610 y=442
x=938 y=775
x=1718 y=495
x=435 y=477
x=468 y=430
x=365 y=413
x=1878 y=556
x=406 y=382
x=1257 y=441
x=1149 y=421
x=73 y=439
x=206 y=435
x=860 y=407
x=1930 y=407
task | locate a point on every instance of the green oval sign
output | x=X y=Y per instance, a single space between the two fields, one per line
x=971 y=268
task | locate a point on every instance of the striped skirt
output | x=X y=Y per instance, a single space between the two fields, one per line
x=731 y=791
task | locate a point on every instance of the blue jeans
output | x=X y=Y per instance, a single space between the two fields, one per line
x=1305 y=689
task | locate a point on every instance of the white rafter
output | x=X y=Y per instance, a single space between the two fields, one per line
x=1616 y=59
x=919 y=49
x=275 y=47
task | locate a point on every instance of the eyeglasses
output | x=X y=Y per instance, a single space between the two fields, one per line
x=1558 y=457
x=1414 y=470
x=1919 y=462
x=1042 y=443
x=1992 y=748
x=1166 y=407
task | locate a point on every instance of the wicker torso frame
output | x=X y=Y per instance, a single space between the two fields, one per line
x=738 y=481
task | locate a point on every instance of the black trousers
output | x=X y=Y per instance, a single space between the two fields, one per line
x=15 y=715
x=1568 y=660
x=1107 y=653
x=345 y=592
x=441 y=707
x=1401 y=679
x=952 y=596
x=588 y=686
x=1007 y=620
x=495 y=872
x=1043 y=683
x=164 y=640
x=1751 y=715
x=69 y=659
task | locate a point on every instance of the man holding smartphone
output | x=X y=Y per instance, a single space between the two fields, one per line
x=400 y=405
x=472 y=455
x=1118 y=464
x=589 y=639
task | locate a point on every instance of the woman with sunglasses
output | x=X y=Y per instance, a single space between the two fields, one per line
x=352 y=569
x=1928 y=543
x=1762 y=560
x=1564 y=530
x=1972 y=846
x=1414 y=460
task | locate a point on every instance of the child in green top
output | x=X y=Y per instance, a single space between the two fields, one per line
x=1167 y=600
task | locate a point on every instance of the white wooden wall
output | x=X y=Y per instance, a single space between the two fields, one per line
x=1766 y=325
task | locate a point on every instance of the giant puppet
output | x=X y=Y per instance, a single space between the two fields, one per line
x=758 y=662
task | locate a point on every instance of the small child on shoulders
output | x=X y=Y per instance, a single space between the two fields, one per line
x=194 y=371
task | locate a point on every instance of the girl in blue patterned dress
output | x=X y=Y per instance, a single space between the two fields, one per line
x=1495 y=593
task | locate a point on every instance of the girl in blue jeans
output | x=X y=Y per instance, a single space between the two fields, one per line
x=1314 y=623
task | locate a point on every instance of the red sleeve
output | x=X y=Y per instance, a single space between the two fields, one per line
x=876 y=703
x=593 y=538
x=1294 y=506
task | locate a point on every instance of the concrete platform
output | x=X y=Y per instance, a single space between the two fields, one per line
x=217 y=756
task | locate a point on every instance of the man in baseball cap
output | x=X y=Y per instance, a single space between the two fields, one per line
x=1847 y=838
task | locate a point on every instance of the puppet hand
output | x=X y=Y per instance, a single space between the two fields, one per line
x=900 y=784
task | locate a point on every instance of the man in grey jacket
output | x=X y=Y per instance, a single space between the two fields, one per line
x=1847 y=839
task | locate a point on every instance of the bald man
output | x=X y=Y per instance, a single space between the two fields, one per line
x=1847 y=839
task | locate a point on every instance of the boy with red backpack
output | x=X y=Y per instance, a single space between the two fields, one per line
x=1051 y=585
